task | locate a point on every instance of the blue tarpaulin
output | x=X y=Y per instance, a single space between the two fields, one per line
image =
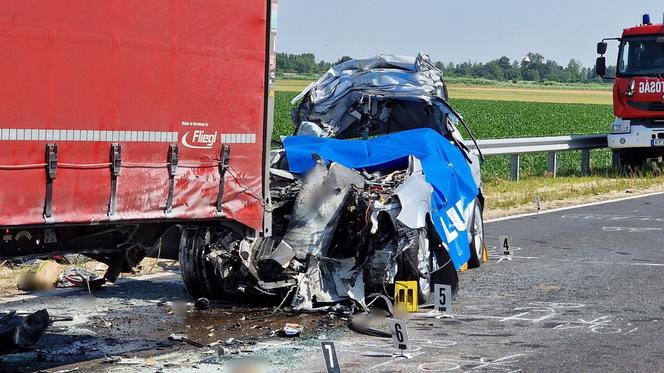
x=445 y=168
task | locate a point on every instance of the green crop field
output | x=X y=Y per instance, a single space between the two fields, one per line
x=505 y=119
x=561 y=93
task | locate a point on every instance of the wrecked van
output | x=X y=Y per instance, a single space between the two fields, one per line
x=374 y=186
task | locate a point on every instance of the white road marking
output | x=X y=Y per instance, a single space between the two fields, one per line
x=631 y=229
x=573 y=207
x=586 y=261
x=612 y=217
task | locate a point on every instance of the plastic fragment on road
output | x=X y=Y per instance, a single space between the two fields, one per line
x=177 y=337
x=291 y=330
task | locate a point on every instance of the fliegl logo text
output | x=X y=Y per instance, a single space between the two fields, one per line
x=199 y=139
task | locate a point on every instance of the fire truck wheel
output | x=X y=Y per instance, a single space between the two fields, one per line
x=198 y=274
x=476 y=236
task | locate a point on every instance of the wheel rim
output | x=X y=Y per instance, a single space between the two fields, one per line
x=424 y=264
x=478 y=232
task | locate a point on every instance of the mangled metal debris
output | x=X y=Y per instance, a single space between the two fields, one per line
x=375 y=187
x=22 y=332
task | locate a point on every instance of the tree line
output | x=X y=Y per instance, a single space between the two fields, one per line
x=534 y=67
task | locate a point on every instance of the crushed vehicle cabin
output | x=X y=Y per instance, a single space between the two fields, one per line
x=374 y=186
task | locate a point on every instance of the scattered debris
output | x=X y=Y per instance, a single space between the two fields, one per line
x=183 y=338
x=65 y=370
x=202 y=304
x=71 y=259
x=292 y=330
x=111 y=359
x=79 y=277
x=22 y=332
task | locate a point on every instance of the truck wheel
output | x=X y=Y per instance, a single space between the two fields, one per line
x=416 y=264
x=476 y=236
x=631 y=159
x=198 y=274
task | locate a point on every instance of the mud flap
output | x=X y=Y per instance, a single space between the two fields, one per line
x=446 y=275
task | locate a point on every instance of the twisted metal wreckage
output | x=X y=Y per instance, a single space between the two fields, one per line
x=374 y=187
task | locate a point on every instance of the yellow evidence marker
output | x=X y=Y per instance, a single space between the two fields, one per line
x=405 y=296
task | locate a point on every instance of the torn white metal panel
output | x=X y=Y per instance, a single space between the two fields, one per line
x=282 y=173
x=282 y=255
x=415 y=196
x=318 y=207
x=329 y=281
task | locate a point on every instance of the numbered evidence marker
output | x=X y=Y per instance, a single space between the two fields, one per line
x=399 y=334
x=330 y=356
x=505 y=244
x=442 y=298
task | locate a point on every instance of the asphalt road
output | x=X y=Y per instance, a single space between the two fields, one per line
x=583 y=292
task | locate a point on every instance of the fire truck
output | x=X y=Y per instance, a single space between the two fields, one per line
x=638 y=93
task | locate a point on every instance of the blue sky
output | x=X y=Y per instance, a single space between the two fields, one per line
x=457 y=30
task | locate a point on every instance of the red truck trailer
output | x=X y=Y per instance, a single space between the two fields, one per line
x=124 y=123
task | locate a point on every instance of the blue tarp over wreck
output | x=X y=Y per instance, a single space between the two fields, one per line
x=445 y=168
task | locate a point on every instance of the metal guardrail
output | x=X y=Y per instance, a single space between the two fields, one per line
x=551 y=145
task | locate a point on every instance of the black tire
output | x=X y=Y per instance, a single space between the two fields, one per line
x=198 y=274
x=477 y=245
x=409 y=271
x=631 y=159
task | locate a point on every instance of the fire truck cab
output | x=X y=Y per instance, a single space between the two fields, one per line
x=637 y=134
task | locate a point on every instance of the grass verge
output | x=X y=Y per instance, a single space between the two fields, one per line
x=505 y=197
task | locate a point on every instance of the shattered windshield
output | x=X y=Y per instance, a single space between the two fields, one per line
x=641 y=56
